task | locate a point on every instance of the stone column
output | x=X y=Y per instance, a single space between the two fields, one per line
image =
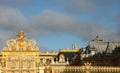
x=42 y=69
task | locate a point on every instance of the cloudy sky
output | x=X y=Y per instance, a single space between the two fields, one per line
x=56 y=24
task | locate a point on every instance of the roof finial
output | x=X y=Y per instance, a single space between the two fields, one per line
x=74 y=46
x=97 y=38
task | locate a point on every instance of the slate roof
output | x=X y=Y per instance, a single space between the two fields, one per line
x=101 y=46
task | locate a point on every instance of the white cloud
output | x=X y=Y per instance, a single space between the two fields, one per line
x=10 y=18
x=51 y=21
x=48 y=21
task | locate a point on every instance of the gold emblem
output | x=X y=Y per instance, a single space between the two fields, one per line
x=21 y=36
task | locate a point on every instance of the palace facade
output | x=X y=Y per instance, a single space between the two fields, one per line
x=22 y=55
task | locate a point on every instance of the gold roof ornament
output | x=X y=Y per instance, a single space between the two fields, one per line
x=21 y=44
x=21 y=35
x=87 y=67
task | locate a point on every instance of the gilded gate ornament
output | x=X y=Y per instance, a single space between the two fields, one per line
x=21 y=39
x=21 y=36
x=21 y=43
x=21 y=53
x=87 y=67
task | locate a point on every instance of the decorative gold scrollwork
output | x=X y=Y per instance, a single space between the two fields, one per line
x=21 y=44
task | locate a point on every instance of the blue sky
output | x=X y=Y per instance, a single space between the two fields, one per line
x=56 y=24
